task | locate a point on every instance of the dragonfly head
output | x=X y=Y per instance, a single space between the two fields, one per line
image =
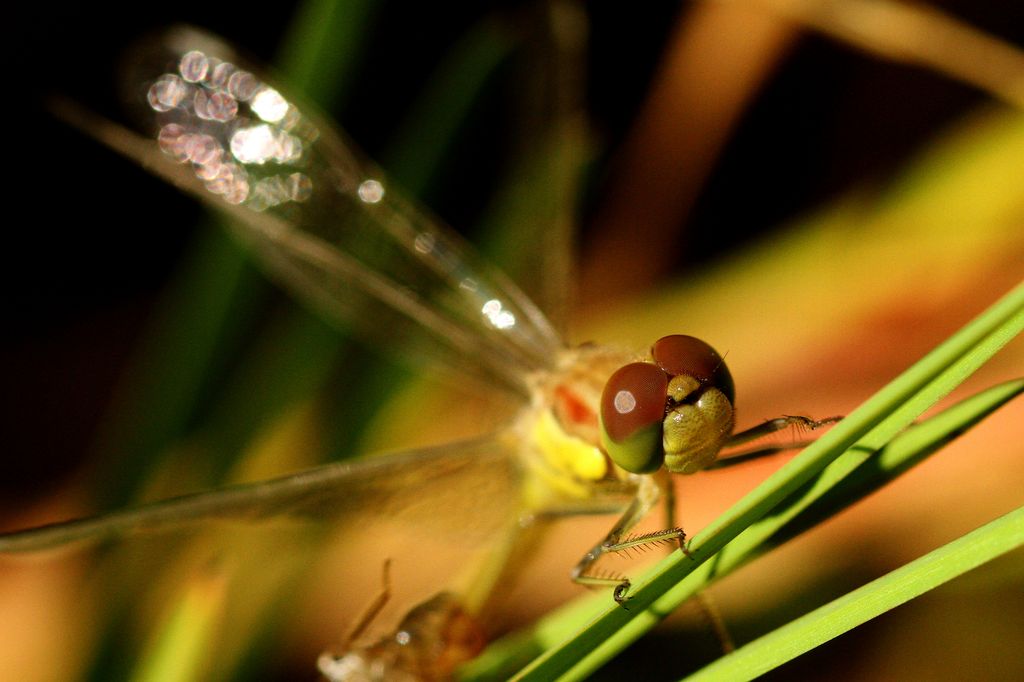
x=674 y=409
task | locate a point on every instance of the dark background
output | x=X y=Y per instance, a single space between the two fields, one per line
x=90 y=239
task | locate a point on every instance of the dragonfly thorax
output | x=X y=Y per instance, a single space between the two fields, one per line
x=561 y=431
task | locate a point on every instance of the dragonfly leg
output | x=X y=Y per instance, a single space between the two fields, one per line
x=775 y=425
x=374 y=608
x=767 y=428
x=616 y=541
x=668 y=491
x=709 y=611
x=332 y=665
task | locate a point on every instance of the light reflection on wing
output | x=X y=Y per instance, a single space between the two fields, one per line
x=331 y=228
x=467 y=489
x=321 y=218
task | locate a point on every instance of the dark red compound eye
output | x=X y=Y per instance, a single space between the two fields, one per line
x=632 y=410
x=685 y=355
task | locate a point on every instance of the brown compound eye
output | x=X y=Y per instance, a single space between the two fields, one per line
x=682 y=355
x=632 y=410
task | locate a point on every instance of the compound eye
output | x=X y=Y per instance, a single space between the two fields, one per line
x=685 y=355
x=632 y=411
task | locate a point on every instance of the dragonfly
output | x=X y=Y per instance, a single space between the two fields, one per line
x=598 y=430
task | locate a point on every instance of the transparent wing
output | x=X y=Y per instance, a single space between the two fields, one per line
x=291 y=562
x=330 y=227
x=468 y=490
x=319 y=217
x=539 y=205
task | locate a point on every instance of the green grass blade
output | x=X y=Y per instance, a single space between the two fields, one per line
x=953 y=360
x=760 y=536
x=906 y=450
x=184 y=344
x=323 y=47
x=415 y=151
x=177 y=652
x=919 y=576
